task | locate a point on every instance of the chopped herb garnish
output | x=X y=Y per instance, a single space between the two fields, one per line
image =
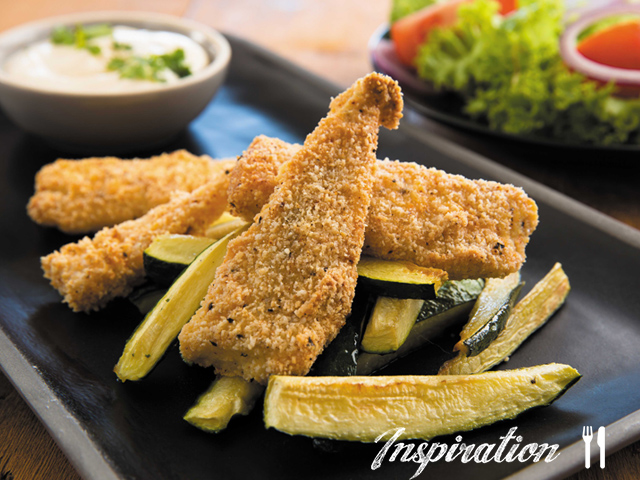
x=80 y=36
x=63 y=36
x=120 y=46
x=151 y=67
x=127 y=65
x=93 y=49
x=175 y=62
x=98 y=30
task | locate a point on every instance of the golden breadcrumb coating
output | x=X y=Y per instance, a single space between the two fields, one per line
x=80 y=196
x=470 y=228
x=286 y=285
x=91 y=272
x=251 y=184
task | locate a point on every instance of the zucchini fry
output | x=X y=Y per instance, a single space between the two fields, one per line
x=225 y=398
x=527 y=316
x=364 y=408
x=163 y=323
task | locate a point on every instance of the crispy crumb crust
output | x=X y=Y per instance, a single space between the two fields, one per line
x=91 y=272
x=470 y=228
x=80 y=196
x=286 y=285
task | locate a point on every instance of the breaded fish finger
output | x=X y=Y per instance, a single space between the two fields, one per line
x=470 y=228
x=80 y=196
x=91 y=272
x=286 y=285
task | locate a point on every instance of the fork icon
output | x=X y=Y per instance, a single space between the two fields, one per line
x=587 y=436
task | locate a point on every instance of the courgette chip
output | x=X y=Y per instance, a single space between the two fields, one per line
x=168 y=255
x=399 y=279
x=454 y=301
x=390 y=324
x=226 y=224
x=361 y=408
x=162 y=325
x=544 y=299
x=225 y=398
x=490 y=313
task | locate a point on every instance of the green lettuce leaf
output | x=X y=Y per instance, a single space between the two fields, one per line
x=511 y=75
x=402 y=8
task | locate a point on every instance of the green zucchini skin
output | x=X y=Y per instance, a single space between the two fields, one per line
x=421 y=334
x=398 y=279
x=454 y=302
x=396 y=289
x=161 y=272
x=340 y=357
x=146 y=296
x=481 y=340
x=169 y=255
x=528 y=315
x=161 y=326
x=452 y=293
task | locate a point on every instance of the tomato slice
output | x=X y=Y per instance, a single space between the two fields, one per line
x=616 y=46
x=411 y=31
x=508 y=6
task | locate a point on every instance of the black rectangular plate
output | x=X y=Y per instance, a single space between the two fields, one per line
x=62 y=362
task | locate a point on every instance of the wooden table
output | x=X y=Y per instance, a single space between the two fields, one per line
x=328 y=37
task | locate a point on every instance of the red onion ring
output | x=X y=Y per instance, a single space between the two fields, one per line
x=581 y=64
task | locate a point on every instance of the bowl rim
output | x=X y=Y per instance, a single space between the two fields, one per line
x=218 y=64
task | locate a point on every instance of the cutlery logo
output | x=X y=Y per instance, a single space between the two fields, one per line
x=587 y=436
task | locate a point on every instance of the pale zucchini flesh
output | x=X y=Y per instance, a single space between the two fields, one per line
x=168 y=255
x=454 y=301
x=490 y=313
x=527 y=316
x=421 y=333
x=225 y=398
x=226 y=224
x=162 y=325
x=390 y=323
x=363 y=408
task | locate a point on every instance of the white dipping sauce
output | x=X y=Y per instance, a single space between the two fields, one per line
x=65 y=68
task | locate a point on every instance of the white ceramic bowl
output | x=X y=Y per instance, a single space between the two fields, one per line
x=112 y=122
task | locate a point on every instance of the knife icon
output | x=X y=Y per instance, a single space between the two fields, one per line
x=600 y=441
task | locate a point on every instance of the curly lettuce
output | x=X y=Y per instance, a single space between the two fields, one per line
x=402 y=8
x=511 y=75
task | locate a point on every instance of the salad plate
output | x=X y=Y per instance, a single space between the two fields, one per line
x=62 y=362
x=447 y=108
